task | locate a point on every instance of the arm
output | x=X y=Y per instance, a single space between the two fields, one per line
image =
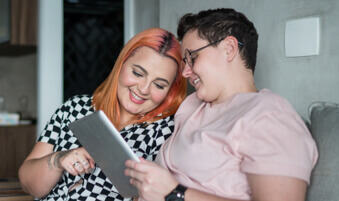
x=37 y=174
x=276 y=188
x=263 y=188
x=42 y=169
x=154 y=183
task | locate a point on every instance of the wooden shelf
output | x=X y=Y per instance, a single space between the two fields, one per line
x=16 y=198
x=24 y=22
x=16 y=50
x=23 y=28
x=12 y=191
x=16 y=142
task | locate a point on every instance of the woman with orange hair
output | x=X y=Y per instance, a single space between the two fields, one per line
x=140 y=97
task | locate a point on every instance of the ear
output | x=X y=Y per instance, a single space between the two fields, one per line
x=231 y=47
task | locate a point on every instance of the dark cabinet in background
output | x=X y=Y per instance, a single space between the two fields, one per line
x=93 y=39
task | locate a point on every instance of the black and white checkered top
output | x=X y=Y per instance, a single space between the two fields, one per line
x=144 y=140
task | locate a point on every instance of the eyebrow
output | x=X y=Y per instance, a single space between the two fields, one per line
x=143 y=70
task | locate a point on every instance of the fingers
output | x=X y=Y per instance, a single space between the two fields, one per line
x=71 y=169
x=142 y=166
x=79 y=168
x=82 y=164
x=135 y=170
x=77 y=161
x=88 y=158
x=140 y=171
x=135 y=175
x=153 y=182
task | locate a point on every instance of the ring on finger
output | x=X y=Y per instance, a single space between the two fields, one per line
x=76 y=163
x=85 y=162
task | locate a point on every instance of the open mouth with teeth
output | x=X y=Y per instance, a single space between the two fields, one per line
x=196 y=81
x=135 y=98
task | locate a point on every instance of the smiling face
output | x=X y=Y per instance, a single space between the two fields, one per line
x=208 y=72
x=144 y=82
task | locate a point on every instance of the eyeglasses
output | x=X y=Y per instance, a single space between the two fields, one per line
x=188 y=54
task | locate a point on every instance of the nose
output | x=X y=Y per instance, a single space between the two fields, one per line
x=187 y=71
x=144 y=87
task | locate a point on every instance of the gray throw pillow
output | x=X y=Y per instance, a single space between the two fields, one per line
x=324 y=119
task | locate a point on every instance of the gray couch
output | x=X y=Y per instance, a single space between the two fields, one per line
x=324 y=126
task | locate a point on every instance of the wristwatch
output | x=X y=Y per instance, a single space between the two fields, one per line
x=178 y=194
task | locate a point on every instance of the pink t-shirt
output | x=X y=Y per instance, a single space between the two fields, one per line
x=214 y=146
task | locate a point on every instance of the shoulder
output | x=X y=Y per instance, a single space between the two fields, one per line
x=268 y=101
x=275 y=141
x=77 y=107
x=81 y=100
x=266 y=108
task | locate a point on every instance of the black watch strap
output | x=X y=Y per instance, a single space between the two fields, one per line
x=178 y=194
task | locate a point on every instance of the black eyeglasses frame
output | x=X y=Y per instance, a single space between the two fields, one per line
x=190 y=62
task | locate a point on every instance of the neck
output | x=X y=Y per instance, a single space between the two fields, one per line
x=241 y=80
x=124 y=117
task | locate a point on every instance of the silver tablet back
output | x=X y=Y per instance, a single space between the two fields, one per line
x=107 y=147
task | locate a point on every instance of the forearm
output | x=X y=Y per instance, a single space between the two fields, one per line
x=39 y=176
x=195 y=195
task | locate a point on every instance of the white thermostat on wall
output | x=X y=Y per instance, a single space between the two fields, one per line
x=302 y=37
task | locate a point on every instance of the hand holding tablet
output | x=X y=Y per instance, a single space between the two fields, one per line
x=107 y=147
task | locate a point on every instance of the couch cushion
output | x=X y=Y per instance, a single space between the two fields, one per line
x=324 y=119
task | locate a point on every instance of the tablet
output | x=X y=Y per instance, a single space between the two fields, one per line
x=107 y=147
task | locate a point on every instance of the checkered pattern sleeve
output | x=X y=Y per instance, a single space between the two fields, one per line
x=51 y=132
x=164 y=131
x=74 y=108
x=144 y=139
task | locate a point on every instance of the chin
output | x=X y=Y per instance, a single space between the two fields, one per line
x=132 y=110
x=200 y=96
x=204 y=97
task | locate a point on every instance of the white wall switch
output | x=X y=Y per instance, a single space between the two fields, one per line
x=302 y=37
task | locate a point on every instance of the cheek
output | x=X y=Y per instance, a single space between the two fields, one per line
x=200 y=65
x=158 y=96
x=125 y=79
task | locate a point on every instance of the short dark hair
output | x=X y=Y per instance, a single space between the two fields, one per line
x=216 y=24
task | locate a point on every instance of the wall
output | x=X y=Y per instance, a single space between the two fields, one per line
x=17 y=80
x=37 y=76
x=301 y=80
x=50 y=60
x=139 y=15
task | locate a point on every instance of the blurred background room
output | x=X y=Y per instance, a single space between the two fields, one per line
x=51 y=50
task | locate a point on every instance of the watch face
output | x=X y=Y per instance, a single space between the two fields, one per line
x=174 y=197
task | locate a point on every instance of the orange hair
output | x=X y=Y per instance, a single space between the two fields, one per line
x=105 y=96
